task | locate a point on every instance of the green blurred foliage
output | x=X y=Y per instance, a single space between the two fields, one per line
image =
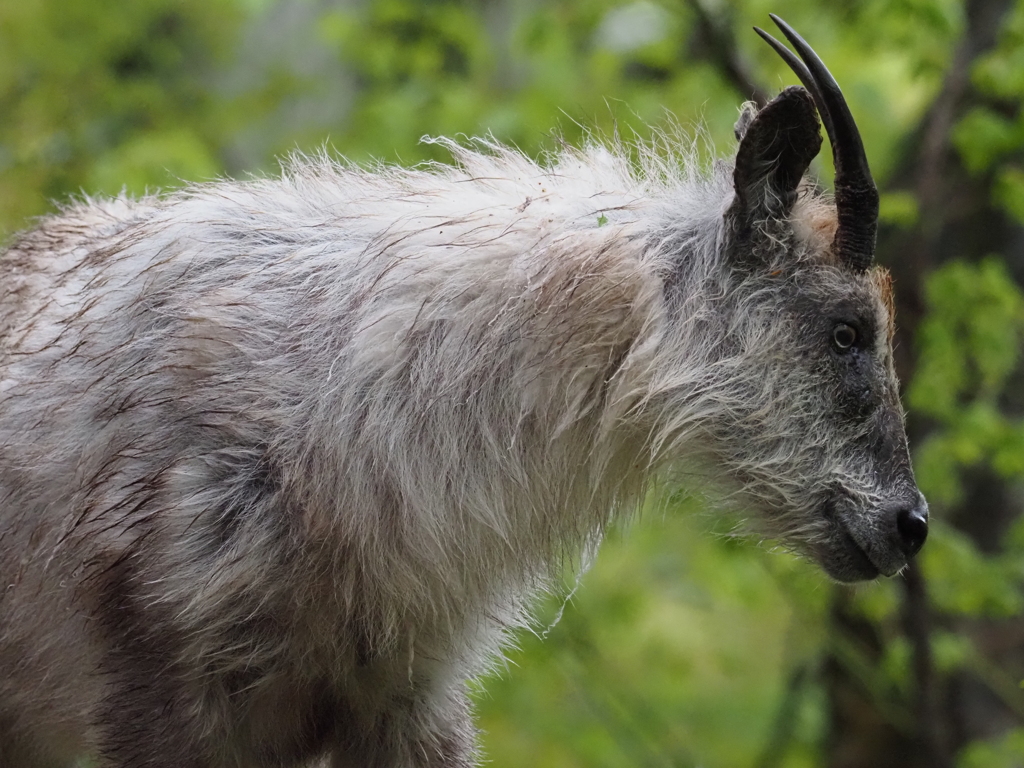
x=683 y=646
x=519 y=71
x=969 y=346
x=968 y=368
x=1004 y=752
x=990 y=138
x=96 y=101
x=674 y=650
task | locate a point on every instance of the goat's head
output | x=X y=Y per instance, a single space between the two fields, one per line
x=810 y=422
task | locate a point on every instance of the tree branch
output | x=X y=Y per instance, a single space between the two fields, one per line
x=721 y=50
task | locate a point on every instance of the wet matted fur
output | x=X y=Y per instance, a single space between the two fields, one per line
x=283 y=461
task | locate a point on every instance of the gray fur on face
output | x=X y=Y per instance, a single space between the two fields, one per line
x=283 y=462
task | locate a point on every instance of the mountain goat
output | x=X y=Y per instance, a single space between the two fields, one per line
x=282 y=462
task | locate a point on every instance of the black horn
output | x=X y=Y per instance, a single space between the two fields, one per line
x=856 y=194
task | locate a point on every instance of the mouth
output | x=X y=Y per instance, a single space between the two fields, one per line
x=842 y=556
x=845 y=561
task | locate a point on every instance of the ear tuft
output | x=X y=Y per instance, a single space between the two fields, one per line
x=748 y=111
x=776 y=148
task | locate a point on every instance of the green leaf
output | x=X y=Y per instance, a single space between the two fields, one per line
x=983 y=136
x=898 y=208
x=963 y=581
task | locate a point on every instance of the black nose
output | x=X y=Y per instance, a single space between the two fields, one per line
x=912 y=524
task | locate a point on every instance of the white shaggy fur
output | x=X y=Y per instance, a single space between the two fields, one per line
x=282 y=461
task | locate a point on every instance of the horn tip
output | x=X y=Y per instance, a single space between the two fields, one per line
x=787 y=30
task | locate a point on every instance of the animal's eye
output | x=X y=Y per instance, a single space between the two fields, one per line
x=844 y=336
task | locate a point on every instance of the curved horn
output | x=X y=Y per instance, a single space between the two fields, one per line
x=856 y=194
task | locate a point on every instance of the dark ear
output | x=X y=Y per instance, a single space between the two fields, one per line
x=776 y=148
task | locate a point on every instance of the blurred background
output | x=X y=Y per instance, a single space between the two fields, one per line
x=683 y=646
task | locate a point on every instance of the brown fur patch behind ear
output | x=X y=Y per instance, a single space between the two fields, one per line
x=814 y=222
x=882 y=281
